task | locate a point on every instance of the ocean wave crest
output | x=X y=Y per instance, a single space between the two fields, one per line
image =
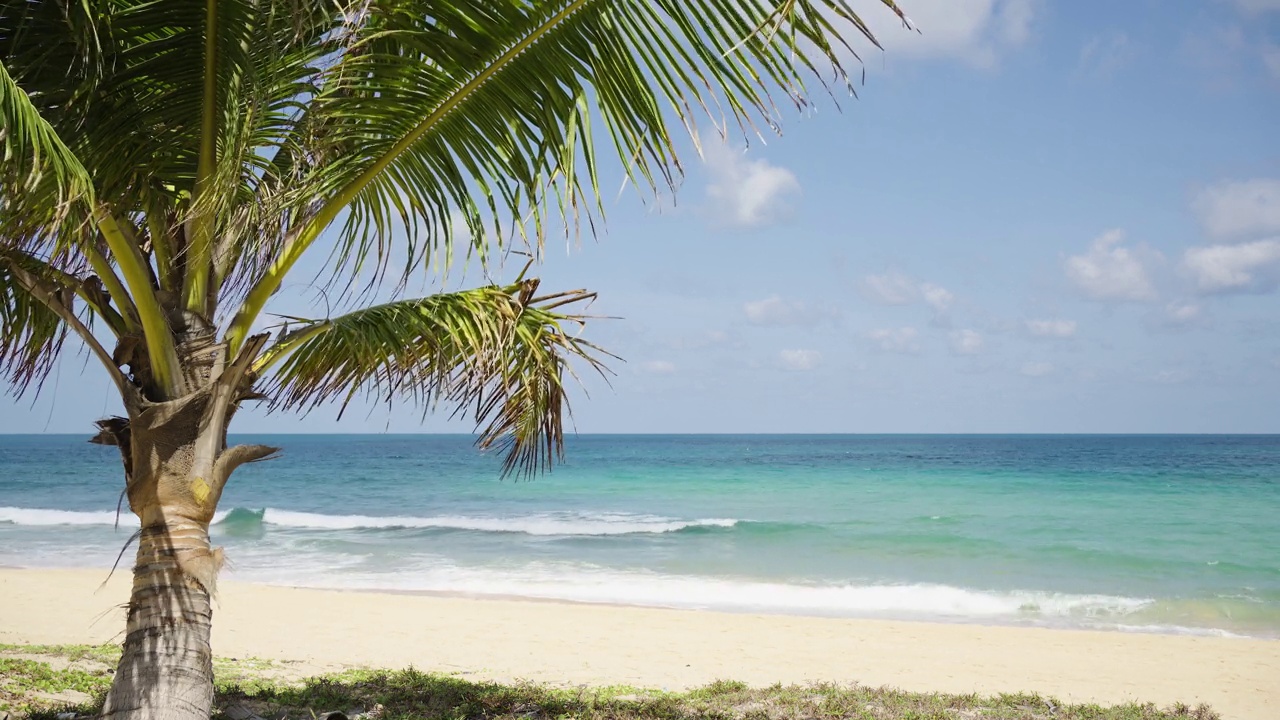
x=532 y=524
x=244 y=519
x=600 y=585
x=42 y=516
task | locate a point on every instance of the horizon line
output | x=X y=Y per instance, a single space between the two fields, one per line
x=738 y=434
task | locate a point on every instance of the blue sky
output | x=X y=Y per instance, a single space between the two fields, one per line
x=1039 y=216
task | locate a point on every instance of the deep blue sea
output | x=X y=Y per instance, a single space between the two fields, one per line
x=1177 y=534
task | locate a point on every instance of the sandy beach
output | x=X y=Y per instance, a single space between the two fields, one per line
x=560 y=643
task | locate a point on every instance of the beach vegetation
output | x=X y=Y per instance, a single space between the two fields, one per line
x=247 y=687
x=169 y=167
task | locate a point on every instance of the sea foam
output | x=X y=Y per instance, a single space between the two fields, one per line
x=531 y=524
x=41 y=516
x=599 y=585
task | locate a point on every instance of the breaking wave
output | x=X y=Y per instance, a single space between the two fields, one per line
x=244 y=519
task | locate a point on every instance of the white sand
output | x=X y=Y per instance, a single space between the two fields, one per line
x=595 y=644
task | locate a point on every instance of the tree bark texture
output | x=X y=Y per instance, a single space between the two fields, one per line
x=176 y=464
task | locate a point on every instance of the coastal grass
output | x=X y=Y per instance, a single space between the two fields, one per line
x=39 y=682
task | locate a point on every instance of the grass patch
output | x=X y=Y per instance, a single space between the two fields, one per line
x=409 y=694
x=30 y=685
x=105 y=654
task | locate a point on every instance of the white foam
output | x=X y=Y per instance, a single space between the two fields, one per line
x=593 y=584
x=1175 y=630
x=535 y=524
x=40 y=516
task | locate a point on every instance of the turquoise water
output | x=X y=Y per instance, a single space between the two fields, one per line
x=1140 y=533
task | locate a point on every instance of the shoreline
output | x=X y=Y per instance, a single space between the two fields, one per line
x=1157 y=630
x=227 y=576
x=566 y=643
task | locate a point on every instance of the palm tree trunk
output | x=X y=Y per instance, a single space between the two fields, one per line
x=176 y=463
x=166 y=669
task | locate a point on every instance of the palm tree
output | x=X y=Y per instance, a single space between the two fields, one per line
x=168 y=162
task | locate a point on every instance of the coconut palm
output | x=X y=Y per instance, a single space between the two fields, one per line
x=167 y=163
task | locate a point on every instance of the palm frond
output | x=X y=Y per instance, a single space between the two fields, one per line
x=468 y=108
x=41 y=179
x=117 y=84
x=259 y=58
x=33 y=333
x=498 y=354
x=225 y=137
x=124 y=84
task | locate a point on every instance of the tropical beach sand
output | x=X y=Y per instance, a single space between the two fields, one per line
x=509 y=639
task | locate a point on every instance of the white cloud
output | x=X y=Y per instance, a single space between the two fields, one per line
x=1271 y=59
x=1036 y=369
x=1245 y=42
x=1257 y=6
x=1171 y=377
x=966 y=342
x=774 y=310
x=746 y=193
x=977 y=32
x=1248 y=267
x=1052 y=328
x=1241 y=208
x=1104 y=54
x=800 y=360
x=702 y=340
x=1181 y=314
x=894 y=288
x=896 y=340
x=891 y=288
x=658 y=367
x=1109 y=271
x=936 y=297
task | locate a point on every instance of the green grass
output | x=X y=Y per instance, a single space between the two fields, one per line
x=38 y=675
x=106 y=654
x=409 y=694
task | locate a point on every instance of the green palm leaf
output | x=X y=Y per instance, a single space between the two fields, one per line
x=473 y=108
x=188 y=152
x=33 y=333
x=497 y=353
x=37 y=167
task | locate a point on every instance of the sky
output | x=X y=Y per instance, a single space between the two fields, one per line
x=1039 y=216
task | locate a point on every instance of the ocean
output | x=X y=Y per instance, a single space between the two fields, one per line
x=1171 y=534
